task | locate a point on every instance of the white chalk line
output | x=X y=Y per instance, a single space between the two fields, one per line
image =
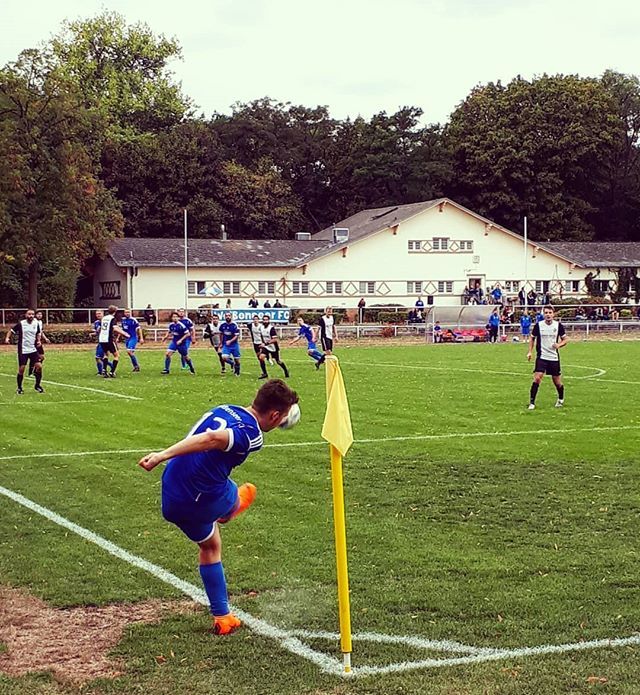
x=290 y=639
x=82 y=388
x=42 y=401
x=378 y=440
x=437 y=368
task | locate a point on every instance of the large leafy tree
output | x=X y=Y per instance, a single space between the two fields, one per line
x=122 y=70
x=536 y=148
x=55 y=210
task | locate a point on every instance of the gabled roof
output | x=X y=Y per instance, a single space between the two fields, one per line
x=168 y=253
x=597 y=254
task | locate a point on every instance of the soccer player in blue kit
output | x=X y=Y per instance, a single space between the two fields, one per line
x=197 y=492
x=132 y=327
x=179 y=334
x=183 y=318
x=230 y=334
x=99 y=351
x=305 y=331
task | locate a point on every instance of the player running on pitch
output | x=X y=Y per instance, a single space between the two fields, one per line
x=28 y=333
x=43 y=339
x=305 y=331
x=270 y=349
x=179 y=335
x=212 y=332
x=184 y=318
x=197 y=491
x=548 y=336
x=106 y=338
x=230 y=352
x=131 y=326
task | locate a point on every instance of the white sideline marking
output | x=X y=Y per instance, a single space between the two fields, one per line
x=380 y=440
x=40 y=401
x=290 y=639
x=83 y=388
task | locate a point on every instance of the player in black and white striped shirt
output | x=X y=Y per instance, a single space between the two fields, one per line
x=548 y=336
x=29 y=340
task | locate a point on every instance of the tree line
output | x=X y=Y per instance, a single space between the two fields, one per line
x=97 y=140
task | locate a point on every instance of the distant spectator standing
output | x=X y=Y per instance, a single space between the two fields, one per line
x=228 y=304
x=267 y=304
x=149 y=316
x=496 y=294
x=546 y=298
x=531 y=297
x=525 y=325
x=361 y=305
x=253 y=302
x=521 y=297
x=277 y=304
x=479 y=293
x=494 y=325
x=437 y=332
x=419 y=305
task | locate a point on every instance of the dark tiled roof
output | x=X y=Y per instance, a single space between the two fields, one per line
x=213 y=252
x=597 y=254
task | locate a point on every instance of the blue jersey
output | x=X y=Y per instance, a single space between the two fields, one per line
x=187 y=322
x=227 y=331
x=306 y=332
x=525 y=323
x=96 y=327
x=130 y=326
x=494 y=320
x=178 y=330
x=207 y=472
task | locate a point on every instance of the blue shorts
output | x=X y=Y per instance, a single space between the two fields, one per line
x=182 y=348
x=233 y=350
x=311 y=345
x=131 y=343
x=196 y=518
x=526 y=331
x=99 y=352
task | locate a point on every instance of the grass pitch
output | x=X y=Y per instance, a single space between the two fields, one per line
x=469 y=519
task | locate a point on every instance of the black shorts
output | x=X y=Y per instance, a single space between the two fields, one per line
x=327 y=343
x=273 y=354
x=109 y=347
x=257 y=348
x=550 y=367
x=40 y=350
x=32 y=358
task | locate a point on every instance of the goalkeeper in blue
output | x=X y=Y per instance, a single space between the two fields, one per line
x=197 y=493
x=305 y=331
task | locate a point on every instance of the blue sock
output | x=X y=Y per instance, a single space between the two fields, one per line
x=183 y=362
x=99 y=365
x=167 y=363
x=316 y=355
x=134 y=360
x=215 y=587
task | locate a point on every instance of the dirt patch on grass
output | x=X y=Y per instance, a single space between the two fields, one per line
x=72 y=643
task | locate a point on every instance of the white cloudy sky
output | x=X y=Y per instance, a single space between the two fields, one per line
x=358 y=56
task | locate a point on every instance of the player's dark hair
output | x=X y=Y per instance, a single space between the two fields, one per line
x=274 y=395
x=175 y=313
x=548 y=306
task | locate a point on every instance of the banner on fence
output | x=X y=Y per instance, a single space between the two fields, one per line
x=246 y=315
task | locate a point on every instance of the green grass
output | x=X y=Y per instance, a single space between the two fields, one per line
x=525 y=536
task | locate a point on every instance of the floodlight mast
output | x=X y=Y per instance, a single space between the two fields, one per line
x=186 y=266
x=526 y=279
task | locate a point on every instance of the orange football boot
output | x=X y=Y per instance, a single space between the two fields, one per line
x=246 y=495
x=225 y=624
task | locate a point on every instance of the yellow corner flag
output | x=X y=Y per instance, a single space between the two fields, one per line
x=337 y=420
x=337 y=431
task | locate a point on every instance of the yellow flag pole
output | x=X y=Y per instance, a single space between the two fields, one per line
x=341 y=556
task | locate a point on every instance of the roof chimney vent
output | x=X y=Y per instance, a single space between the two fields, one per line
x=340 y=235
x=303 y=236
x=223 y=233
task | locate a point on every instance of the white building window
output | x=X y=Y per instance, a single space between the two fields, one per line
x=512 y=285
x=414 y=287
x=196 y=287
x=445 y=286
x=300 y=287
x=231 y=287
x=367 y=287
x=440 y=243
x=333 y=287
x=572 y=285
x=466 y=246
x=414 y=245
x=266 y=287
x=601 y=285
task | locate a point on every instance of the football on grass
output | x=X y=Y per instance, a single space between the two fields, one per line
x=293 y=417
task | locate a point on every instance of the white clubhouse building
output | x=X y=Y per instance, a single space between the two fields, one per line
x=387 y=256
